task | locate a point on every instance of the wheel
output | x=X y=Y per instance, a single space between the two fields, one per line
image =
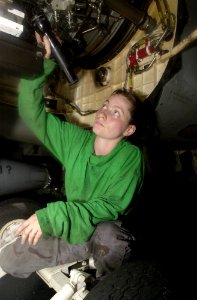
x=139 y=280
x=91 y=32
x=16 y=208
x=111 y=33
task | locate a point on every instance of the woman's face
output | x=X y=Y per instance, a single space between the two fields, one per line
x=112 y=119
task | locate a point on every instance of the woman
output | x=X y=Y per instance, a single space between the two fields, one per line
x=103 y=173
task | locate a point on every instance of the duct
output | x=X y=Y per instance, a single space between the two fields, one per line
x=18 y=177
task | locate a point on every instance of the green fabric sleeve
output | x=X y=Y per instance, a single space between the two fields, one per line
x=75 y=221
x=45 y=126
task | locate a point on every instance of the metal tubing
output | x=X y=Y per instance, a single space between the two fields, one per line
x=130 y=12
x=127 y=10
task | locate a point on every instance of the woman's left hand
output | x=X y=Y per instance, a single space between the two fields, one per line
x=30 y=231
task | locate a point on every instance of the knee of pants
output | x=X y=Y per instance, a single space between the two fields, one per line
x=110 y=246
x=109 y=232
x=106 y=231
x=111 y=236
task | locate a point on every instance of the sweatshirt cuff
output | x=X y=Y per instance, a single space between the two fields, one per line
x=49 y=65
x=44 y=223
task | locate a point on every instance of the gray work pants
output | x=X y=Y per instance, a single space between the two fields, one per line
x=110 y=246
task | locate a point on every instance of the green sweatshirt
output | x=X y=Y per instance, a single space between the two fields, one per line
x=98 y=188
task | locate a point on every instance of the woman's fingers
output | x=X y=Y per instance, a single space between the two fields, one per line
x=21 y=228
x=44 y=41
x=24 y=237
x=38 y=38
x=30 y=231
x=37 y=236
x=34 y=237
x=47 y=47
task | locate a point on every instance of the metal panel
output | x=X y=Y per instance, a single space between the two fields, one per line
x=18 y=57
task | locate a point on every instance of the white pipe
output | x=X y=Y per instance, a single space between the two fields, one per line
x=76 y=276
x=65 y=293
x=180 y=47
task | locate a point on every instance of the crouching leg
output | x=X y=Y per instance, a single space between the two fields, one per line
x=111 y=246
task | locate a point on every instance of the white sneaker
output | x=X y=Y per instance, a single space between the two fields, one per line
x=8 y=231
x=2 y=273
